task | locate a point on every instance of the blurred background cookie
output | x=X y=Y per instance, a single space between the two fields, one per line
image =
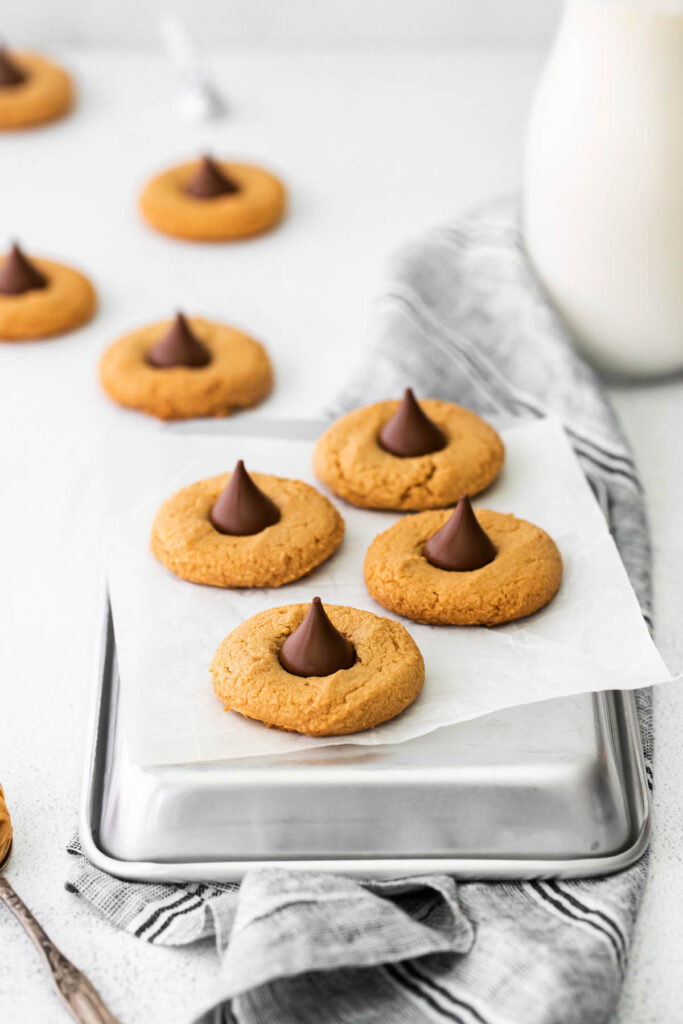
x=33 y=90
x=186 y=367
x=40 y=298
x=212 y=201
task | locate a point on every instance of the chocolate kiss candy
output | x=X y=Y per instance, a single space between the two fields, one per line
x=209 y=181
x=178 y=347
x=316 y=647
x=461 y=545
x=243 y=508
x=17 y=275
x=410 y=431
x=10 y=74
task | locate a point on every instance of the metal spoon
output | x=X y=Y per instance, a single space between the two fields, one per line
x=78 y=995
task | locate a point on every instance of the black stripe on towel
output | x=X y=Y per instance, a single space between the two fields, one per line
x=178 y=913
x=169 y=906
x=614 y=925
x=606 y=453
x=559 y=906
x=416 y=990
x=602 y=465
x=411 y=968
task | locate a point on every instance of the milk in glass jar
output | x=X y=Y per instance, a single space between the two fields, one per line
x=603 y=191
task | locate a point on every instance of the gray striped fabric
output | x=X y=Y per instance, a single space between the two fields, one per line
x=463 y=319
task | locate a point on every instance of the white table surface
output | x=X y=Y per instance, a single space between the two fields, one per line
x=376 y=146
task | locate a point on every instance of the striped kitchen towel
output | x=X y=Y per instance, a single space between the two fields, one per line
x=461 y=318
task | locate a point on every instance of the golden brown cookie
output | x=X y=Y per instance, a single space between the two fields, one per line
x=43 y=93
x=523 y=577
x=309 y=530
x=257 y=205
x=350 y=460
x=238 y=375
x=65 y=301
x=386 y=677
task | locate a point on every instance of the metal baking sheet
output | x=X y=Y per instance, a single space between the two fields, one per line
x=553 y=789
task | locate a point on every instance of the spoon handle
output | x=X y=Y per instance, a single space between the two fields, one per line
x=78 y=995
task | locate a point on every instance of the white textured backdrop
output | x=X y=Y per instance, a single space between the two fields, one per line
x=281 y=21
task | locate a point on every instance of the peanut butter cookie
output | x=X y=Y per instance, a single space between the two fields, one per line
x=523 y=575
x=213 y=201
x=185 y=368
x=354 y=459
x=385 y=678
x=33 y=90
x=190 y=532
x=39 y=298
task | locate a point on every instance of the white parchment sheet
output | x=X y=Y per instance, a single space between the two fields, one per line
x=591 y=637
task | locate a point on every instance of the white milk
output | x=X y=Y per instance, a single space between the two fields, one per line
x=603 y=205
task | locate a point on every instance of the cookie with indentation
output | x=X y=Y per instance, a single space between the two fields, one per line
x=33 y=90
x=177 y=372
x=523 y=575
x=384 y=679
x=189 y=538
x=40 y=298
x=213 y=201
x=354 y=462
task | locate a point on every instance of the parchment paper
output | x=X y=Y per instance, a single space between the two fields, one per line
x=591 y=637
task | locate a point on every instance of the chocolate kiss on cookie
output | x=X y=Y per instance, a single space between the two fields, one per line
x=10 y=73
x=461 y=545
x=18 y=275
x=210 y=181
x=316 y=647
x=179 y=347
x=410 y=431
x=243 y=508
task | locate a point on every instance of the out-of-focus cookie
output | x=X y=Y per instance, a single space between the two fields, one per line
x=463 y=568
x=213 y=201
x=185 y=368
x=40 y=298
x=408 y=455
x=33 y=90
x=237 y=530
x=366 y=669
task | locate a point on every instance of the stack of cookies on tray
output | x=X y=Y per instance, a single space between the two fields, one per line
x=336 y=670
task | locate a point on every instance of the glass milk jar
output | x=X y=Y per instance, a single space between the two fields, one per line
x=603 y=192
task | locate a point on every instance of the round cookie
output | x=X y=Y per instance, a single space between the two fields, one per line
x=256 y=206
x=524 y=575
x=309 y=530
x=238 y=376
x=350 y=460
x=45 y=93
x=67 y=302
x=386 y=677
